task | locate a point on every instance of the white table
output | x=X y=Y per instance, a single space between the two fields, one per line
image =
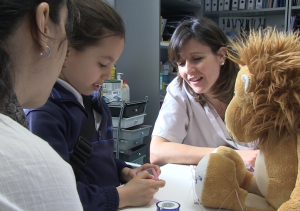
x=179 y=188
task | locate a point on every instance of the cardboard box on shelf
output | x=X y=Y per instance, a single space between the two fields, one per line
x=227 y=4
x=251 y=4
x=111 y=91
x=235 y=5
x=207 y=5
x=214 y=6
x=221 y=5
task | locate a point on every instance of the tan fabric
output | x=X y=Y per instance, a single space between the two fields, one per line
x=10 y=107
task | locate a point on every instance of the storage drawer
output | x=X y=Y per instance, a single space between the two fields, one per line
x=139 y=160
x=131 y=133
x=128 y=122
x=132 y=108
x=128 y=144
x=134 y=153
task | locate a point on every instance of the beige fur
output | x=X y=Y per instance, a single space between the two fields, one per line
x=268 y=112
x=273 y=58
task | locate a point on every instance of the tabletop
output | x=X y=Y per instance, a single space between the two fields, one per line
x=179 y=188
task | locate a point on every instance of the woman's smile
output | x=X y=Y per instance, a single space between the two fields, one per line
x=195 y=80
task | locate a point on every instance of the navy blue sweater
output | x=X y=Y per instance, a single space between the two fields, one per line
x=60 y=122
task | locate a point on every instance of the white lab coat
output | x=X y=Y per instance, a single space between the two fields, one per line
x=183 y=120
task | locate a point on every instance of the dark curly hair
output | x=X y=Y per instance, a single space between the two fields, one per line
x=12 y=13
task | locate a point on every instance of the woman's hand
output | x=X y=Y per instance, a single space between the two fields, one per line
x=249 y=157
x=128 y=173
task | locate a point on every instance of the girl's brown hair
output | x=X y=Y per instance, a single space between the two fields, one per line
x=98 y=20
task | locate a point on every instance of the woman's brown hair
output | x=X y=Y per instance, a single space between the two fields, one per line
x=13 y=12
x=207 y=33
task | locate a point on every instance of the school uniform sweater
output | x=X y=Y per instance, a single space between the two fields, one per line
x=60 y=122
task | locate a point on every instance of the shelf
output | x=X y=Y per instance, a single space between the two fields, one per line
x=245 y=13
x=182 y=4
x=164 y=45
x=296 y=8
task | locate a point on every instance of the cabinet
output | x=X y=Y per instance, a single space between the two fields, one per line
x=278 y=17
x=129 y=130
x=294 y=12
x=174 y=12
x=140 y=59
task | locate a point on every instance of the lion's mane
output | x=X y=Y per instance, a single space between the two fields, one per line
x=274 y=60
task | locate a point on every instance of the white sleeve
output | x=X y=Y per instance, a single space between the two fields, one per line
x=172 y=121
x=33 y=176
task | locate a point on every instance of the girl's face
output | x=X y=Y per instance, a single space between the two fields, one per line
x=198 y=66
x=87 y=70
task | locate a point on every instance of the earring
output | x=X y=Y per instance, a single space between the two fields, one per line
x=48 y=53
x=222 y=64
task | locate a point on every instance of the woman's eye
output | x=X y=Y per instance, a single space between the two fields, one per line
x=180 y=64
x=198 y=59
x=102 y=65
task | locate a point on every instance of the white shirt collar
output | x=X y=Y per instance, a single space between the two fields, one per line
x=71 y=89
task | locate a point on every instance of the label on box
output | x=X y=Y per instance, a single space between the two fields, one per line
x=214 y=5
x=111 y=85
x=242 y=4
x=208 y=5
x=258 y=4
x=111 y=91
x=251 y=4
x=112 y=96
x=235 y=5
x=227 y=5
x=221 y=5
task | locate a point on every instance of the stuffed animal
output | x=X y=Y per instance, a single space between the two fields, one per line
x=265 y=109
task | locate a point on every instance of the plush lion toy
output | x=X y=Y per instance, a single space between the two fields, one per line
x=266 y=109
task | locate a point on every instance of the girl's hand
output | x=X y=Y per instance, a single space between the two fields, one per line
x=128 y=174
x=139 y=190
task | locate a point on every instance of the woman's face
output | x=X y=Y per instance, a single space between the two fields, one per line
x=59 y=49
x=86 y=70
x=38 y=73
x=198 y=66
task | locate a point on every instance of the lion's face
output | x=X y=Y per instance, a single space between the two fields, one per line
x=243 y=87
x=266 y=105
x=236 y=116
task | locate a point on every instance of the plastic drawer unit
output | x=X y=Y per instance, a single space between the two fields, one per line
x=133 y=132
x=129 y=131
x=140 y=160
x=131 y=137
x=131 y=109
x=128 y=144
x=128 y=122
x=133 y=153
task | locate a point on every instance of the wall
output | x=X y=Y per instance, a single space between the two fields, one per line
x=112 y=2
x=140 y=59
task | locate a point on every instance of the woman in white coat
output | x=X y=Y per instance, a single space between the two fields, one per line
x=190 y=123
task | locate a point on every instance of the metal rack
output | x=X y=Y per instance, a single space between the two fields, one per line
x=123 y=123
